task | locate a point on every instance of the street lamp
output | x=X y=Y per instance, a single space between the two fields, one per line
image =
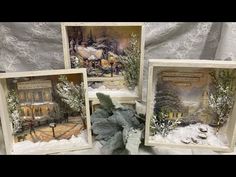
x=53 y=125
x=111 y=60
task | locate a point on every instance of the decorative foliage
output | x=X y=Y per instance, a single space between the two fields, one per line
x=72 y=95
x=105 y=101
x=14 y=111
x=222 y=94
x=133 y=141
x=162 y=125
x=116 y=127
x=131 y=62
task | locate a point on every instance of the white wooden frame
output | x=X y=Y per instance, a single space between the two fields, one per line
x=67 y=62
x=161 y=63
x=6 y=125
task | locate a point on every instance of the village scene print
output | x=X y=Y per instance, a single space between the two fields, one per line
x=192 y=106
x=111 y=54
x=47 y=108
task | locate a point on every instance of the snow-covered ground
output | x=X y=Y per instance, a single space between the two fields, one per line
x=112 y=92
x=28 y=147
x=192 y=131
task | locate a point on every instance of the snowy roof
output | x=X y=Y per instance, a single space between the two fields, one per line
x=38 y=104
x=92 y=57
x=34 y=84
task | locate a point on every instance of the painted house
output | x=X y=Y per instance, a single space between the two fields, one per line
x=35 y=99
x=175 y=115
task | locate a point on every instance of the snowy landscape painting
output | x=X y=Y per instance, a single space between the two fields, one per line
x=47 y=113
x=191 y=106
x=111 y=55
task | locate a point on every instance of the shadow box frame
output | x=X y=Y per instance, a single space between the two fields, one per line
x=6 y=124
x=188 y=63
x=67 y=61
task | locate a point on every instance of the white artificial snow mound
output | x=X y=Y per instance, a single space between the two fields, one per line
x=95 y=150
x=112 y=92
x=181 y=133
x=28 y=147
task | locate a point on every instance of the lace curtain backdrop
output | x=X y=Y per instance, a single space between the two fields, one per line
x=38 y=46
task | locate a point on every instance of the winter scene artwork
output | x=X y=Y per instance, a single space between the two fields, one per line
x=45 y=113
x=111 y=53
x=191 y=106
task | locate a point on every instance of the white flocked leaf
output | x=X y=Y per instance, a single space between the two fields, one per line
x=133 y=141
x=115 y=142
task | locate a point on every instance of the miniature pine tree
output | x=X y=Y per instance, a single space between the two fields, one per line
x=62 y=108
x=162 y=125
x=131 y=62
x=222 y=94
x=14 y=111
x=73 y=96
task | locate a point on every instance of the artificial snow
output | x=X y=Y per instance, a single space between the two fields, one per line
x=179 y=134
x=95 y=150
x=28 y=147
x=112 y=92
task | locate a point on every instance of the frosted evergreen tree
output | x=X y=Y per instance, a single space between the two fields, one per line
x=73 y=96
x=166 y=100
x=162 y=125
x=14 y=111
x=131 y=62
x=222 y=94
